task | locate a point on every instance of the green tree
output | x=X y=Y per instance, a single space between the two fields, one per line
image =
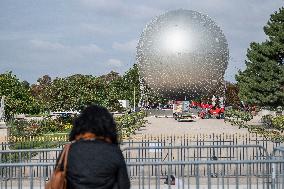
x=131 y=82
x=262 y=82
x=71 y=93
x=18 y=98
x=231 y=94
x=122 y=88
x=74 y=92
x=39 y=92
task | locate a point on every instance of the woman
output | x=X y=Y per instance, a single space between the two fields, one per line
x=95 y=160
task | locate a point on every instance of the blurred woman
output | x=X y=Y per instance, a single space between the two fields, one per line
x=95 y=160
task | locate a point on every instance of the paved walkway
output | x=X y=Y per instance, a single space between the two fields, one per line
x=169 y=126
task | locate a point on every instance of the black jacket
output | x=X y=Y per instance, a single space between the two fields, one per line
x=95 y=164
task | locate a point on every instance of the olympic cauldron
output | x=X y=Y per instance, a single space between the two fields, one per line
x=182 y=53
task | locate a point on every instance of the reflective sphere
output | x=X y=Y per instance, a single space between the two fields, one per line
x=182 y=53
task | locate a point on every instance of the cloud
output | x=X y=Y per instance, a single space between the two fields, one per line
x=129 y=46
x=114 y=63
x=92 y=48
x=93 y=28
x=46 y=45
x=58 y=47
x=121 y=8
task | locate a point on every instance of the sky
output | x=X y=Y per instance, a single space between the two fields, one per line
x=66 y=37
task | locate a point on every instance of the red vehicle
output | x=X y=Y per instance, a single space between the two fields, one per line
x=214 y=112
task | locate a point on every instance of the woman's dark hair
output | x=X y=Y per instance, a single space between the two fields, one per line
x=97 y=120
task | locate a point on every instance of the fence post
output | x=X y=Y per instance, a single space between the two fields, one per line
x=273 y=175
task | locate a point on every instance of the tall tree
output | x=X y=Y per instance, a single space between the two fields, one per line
x=39 y=92
x=18 y=97
x=71 y=93
x=131 y=81
x=262 y=82
x=231 y=94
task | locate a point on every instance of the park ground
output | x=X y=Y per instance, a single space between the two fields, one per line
x=157 y=126
x=167 y=126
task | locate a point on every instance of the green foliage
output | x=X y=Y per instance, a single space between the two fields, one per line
x=127 y=124
x=238 y=115
x=33 y=128
x=39 y=91
x=70 y=93
x=53 y=132
x=272 y=126
x=262 y=82
x=123 y=88
x=232 y=91
x=73 y=92
x=76 y=91
x=18 y=98
x=278 y=123
x=267 y=120
x=274 y=122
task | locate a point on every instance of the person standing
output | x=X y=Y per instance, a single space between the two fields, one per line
x=95 y=160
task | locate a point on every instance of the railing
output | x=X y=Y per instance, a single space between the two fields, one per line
x=201 y=139
x=216 y=175
x=30 y=155
x=158 y=166
x=150 y=153
x=148 y=140
x=193 y=152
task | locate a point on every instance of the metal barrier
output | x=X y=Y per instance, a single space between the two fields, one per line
x=195 y=153
x=278 y=152
x=216 y=175
x=29 y=155
x=152 y=153
x=171 y=140
x=192 y=152
x=201 y=139
x=25 y=175
x=208 y=166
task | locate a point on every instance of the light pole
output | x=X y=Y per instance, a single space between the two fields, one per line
x=134 y=99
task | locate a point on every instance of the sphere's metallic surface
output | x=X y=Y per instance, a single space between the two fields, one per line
x=182 y=53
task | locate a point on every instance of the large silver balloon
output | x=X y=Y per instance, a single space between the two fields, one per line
x=182 y=53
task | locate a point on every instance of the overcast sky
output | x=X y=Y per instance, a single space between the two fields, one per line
x=64 y=37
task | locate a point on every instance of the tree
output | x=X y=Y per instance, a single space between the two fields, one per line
x=111 y=76
x=26 y=84
x=132 y=84
x=231 y=93
x=122 y=88
x=262 y=82
x=71 y=93
x=74 y=92
x=18 y=97
x=39 y=91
